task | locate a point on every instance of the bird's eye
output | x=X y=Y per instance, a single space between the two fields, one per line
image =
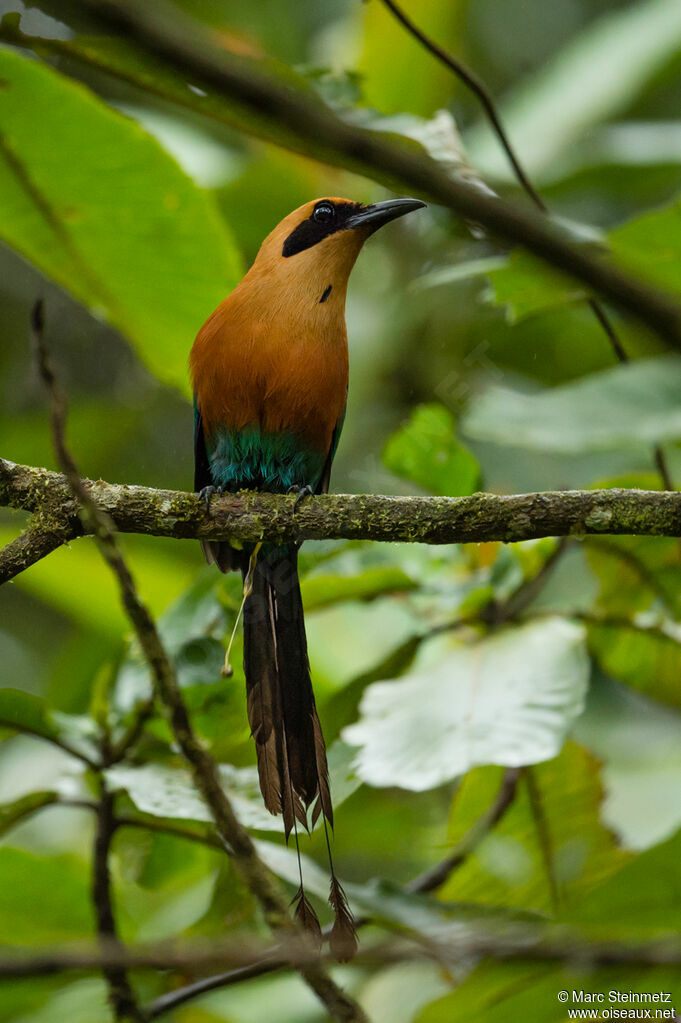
x=324 y=213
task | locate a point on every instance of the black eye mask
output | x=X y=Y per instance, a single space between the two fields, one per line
x=326 y=218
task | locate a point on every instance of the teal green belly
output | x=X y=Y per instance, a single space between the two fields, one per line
x=249 y=459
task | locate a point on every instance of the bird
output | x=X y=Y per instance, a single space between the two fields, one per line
x=269 y=372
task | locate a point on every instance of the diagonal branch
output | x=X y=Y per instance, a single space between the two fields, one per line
x=43 y=535
x=437 y=875
x=235 y=838
x=266 y=107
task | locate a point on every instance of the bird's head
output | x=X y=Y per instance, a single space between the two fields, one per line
x=314 y=248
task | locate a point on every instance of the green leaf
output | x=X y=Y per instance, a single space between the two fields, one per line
x=43 y=899
x=24 y=712
x=642 y=900
x=163 y=791
x=637 y=742
x=635 y=572
x=343 y=706
x=199 y=662
x=508 y=698
x=322 y=590
x=121 y=60
x=387 y=49
x=143 y=246
x=527 y=286
x=76 y=581
x=398 y=992
x=581 y=86
x=627 y=406
x=386 y=902
x=650 y=246
x=81 y=1001
x=507 y=867
x=191 y=629
x=426 y=451
x=645 y=653
x=26 y=806
x=498 y=992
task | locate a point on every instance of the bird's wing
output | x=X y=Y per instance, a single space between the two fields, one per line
x=323 y=485
x=202 y=475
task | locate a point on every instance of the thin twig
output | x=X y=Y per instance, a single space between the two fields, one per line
x=236 y=839
x=268 y=108
x=121 y=995
x=434 y=878
x=530 y=588
x=253 y=516
x=143 y=712
x=180 y=996
x=54 y=740
x=478 y=87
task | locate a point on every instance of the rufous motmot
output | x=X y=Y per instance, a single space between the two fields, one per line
x=270 y=376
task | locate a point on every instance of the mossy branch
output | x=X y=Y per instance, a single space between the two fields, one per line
x=248 y=517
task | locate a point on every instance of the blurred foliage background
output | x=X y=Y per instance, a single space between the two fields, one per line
x=471 y=368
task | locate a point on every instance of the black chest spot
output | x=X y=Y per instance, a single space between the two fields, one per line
x=327 y=292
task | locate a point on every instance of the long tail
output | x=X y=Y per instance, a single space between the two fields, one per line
x=282 y=714
x=292 y=767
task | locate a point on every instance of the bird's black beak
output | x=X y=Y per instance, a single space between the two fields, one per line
x=380 y=213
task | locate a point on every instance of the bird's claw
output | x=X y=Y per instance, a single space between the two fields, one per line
x=300 y=492
x=206 y=493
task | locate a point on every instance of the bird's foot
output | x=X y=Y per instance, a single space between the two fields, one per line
x=300 y=492
x=206 y=493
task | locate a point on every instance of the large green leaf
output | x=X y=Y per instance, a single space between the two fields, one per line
x=101 y=208
x=498 y=992
x=25 y=712
x=426 y=451
x=641 y=900
x=525 y=286
x=636 y=739
x=508 y=866
x=650 y=246
x=81 y=1001
x=387 y=49
x=508 y=699
x=76 y=581
x=645 y=653
x=626 y=406
x=597 y=75
x=168 y=792
x=43 y=899
x=126 y=62
x=190 y=629
x=635 y=572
